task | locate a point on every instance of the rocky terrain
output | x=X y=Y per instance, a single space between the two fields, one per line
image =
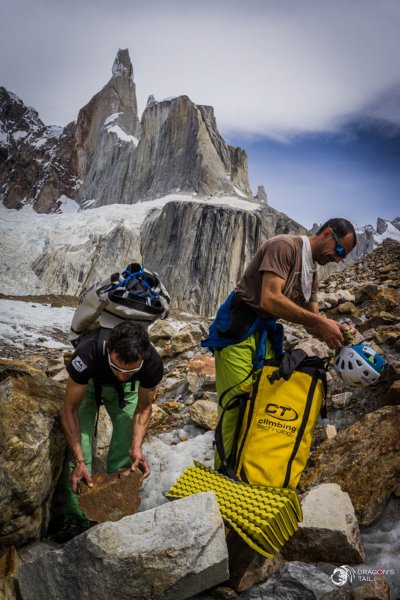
x=350 y=487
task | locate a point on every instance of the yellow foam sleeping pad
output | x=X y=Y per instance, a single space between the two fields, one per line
x=265 y=517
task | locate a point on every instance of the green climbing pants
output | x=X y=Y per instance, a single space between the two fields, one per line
x=118 y=454
x=232 y=365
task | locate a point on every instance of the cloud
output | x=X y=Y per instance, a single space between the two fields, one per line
x=269 y=68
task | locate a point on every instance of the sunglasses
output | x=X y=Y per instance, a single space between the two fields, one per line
x=339 y=249
x=126 y=371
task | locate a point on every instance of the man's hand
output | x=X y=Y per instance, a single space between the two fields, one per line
x=348 y=332
x=80 y=472
x=139 y=461
x=331 y=333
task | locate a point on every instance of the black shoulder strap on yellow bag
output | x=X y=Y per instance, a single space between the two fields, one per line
x=238 y=400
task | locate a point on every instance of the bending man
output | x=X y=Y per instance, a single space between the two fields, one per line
x=281 y=282
x=121 y=369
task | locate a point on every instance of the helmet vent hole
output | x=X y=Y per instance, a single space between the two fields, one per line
x=350 y=366
x=359 y=363
x=342 y=365
x=366 y=373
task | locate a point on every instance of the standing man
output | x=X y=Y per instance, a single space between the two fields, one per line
x=281 y=282
x=120 y=368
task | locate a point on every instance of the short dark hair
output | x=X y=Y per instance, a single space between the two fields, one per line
x=341 y=227
x=129 y=340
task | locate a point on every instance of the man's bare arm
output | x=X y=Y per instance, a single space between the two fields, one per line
x=140 y=424
x=274 y=302
x=74 y=395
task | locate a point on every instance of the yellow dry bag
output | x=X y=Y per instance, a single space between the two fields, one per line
x=276 y=422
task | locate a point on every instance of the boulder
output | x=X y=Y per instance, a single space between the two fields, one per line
x=386 y=299
x=347 y=308
x=377 y=589
x=173 y=340
x=32 y=449
x=364 y=460
x=313 y=347
x=204 y=413
x=342 y=400
x=345 y=296
x=202 y=363
x=329 y=531
x=294 y=581
x=171 y=552
x=158 y=416
x=365 y=292
x=393 y=395
x=247 y=567
x=9 y=563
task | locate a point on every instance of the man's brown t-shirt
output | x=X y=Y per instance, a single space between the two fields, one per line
x=280 y=255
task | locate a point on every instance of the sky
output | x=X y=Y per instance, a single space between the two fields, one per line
x=310 y=89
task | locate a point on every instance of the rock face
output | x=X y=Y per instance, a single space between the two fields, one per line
x=31 y=452
x=180 y=149
x=109 y=156
x=117 y=100
x=329 y=531
x=261 y=195
x=369 y=473
x=37 y=163
x=171 y=552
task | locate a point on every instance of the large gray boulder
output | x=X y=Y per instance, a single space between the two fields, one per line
x=32 y=449
x=294 y=581
x=170 y=552
x=329 y=531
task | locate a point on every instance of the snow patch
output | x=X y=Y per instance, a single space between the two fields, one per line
x=112 y=118
x=390 y=232
x=120 y=133
x=68 y=205
x=29 y=324
x=168 y=457
x=19 y=135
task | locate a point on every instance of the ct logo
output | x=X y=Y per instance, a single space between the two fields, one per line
x=281 y=412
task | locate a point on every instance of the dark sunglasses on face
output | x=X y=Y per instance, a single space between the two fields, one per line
x=126 y=371
x=339 y=249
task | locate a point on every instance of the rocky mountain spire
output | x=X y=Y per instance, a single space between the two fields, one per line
x=261 y=195
x=118 y=96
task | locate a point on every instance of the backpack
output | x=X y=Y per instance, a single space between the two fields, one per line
x=135 y=294
x=276 y=421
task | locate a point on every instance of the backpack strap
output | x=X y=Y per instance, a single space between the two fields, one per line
x=226 y=467
x=290 y=362
x=236 y=401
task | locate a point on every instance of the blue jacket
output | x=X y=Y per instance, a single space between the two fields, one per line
x=269 y=329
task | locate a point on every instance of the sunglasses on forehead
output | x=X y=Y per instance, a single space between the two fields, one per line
x=339 y=249
x=126 y=371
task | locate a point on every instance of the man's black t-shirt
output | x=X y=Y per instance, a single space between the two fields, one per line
x=90 y=361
